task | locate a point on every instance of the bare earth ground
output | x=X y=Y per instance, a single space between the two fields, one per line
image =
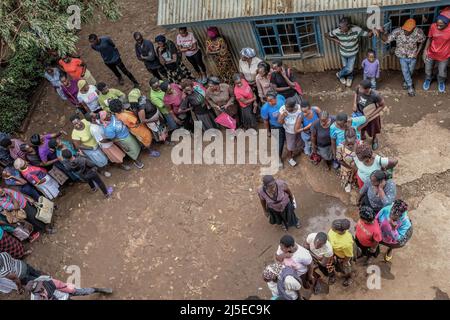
x=198 y=232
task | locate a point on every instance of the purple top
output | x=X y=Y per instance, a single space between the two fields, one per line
x=71 y=92
x=280 y=203
x=43 y=148
x=371 y=69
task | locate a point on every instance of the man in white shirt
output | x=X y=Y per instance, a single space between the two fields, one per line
x=322 y=254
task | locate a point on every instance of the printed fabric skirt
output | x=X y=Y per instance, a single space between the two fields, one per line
x=247 y=117
x=131 y=146
x=207 y=120
x=11 y=245
x=50 y=188
x=114 y=153
x=97 y=157
x=177 y=72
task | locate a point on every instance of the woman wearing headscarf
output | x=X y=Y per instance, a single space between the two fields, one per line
x=39 y=178
x=196 y=102
x=282 y=281
x=368 y=234
x=378 y=192
x=217 y=48
x=396 y=227
x=343 y=247
x=345 y=154
x=220 y=97
x=248 y=66
x=247 y=102
x=116 y=130
x=278 y=203
x=262 y=79
x=170 y=58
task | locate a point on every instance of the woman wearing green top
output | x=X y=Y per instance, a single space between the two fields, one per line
x=156 y=96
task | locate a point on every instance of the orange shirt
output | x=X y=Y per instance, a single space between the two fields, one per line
x=73 y=68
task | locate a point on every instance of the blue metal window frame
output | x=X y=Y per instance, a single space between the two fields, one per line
x=296 y=22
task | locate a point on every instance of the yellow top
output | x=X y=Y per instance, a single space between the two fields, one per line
x=84 y=136
x=342 y=243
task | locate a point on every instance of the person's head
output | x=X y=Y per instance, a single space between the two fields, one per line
x=212 y=33
x=263 y=68
x=399 y=207
x=20 y=164
x=367 y=214
x=35 y=140
x=154 y=83
x=64 y=78
x=371 y=55
x=324 y=118
x=350 y=136
x=364 y=152
x=237 y=80
x=365 y=86
x=66 y=154
x=377 y=177
x=340 y=225
x=116 y=106
x=6 y=143
x=409 y=26
x=342 y=120
x=320 y=240
x=93 y=39
x=138 y=37
x=187 y=86
x=247 y=54
x=287 y=243
x=53 y=145
x=344 y=24
x=160 y=41
x=305 y=107
x=26 y=148
x=271 y=97
x=102 y=87
x=165 y=86
x=83 y=86
x=272 y=272
x=269 y=183
x=290 y=104
x=76 y=122
x=277 y=65
x=214 y=83
x=104 y=116
x=183 y=31
x=49 y=69
x=66 y=58
x=442 y=22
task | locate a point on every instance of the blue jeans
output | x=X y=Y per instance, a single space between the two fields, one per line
x=408 y=65
x=306 y=137
x=442 y=69
x=347 y=70
x=373 y=81
x=170 y=122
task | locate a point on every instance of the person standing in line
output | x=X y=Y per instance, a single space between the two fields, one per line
x=187 y=44
x=371 y=68
x=111 y=57
x=145 y=51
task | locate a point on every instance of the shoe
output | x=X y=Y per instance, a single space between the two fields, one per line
x=292 y=162
x=154 y=153
x=348 y=188
x=348 y=83
x=138 y=164
x=404 y=86
x=342 y=80
x=103 y=290
x=411 y=92
x=110 y=191
x=120 y=81
x=34 y=236
x=107 y=174
x=125 y=167
x=94 y=190
x=426 y=84
x=441 y=87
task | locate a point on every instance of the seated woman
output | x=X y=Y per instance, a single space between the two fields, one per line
x=13 y=200
x=39 y=178
x=396 y=227
x=31 y=155
x=378 y=192
x=343 y=247
x=278 y=203
x=14 y=180
x=345 y=154
x=368 y=234
x=283 y=285
x=41 y=142
x=367 y=162
x=9 y=243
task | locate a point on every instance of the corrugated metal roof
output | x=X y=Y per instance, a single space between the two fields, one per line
x=176 y=12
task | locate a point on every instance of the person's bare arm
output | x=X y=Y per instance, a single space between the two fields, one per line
x=427 y=45
x=298 y=125
x=314 y=141
x=267 y=127
x=334 y=39
x=355 y=103
x=392 y=162
x=264 y=206
x=333 y=148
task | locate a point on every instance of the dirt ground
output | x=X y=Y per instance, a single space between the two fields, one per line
x=198 y=232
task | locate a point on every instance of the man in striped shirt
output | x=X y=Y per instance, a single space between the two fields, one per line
x=17 y=270
x=347 y=37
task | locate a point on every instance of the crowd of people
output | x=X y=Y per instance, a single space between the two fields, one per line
x=111 y=127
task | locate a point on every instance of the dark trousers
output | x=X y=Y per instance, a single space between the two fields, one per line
x=197 y=61
x=119 y=65
x=158 y=72
x=93 y=179
x=31 y=218
x=29 y=190
x=30 y=275
x=281 y=139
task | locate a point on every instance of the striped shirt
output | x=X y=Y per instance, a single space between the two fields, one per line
x=349 y=42
x=9 y=265
x=6 y=201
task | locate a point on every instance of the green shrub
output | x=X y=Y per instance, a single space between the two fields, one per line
x=17 y=83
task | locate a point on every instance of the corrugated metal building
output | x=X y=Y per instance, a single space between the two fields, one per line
x=293 y=29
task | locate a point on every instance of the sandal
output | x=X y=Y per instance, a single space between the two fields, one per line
x=375 y=145
x=347 y=282
x=283 y=227
x=34 y=236
x=154 y=153
x=387 y=257
x=298 y=225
